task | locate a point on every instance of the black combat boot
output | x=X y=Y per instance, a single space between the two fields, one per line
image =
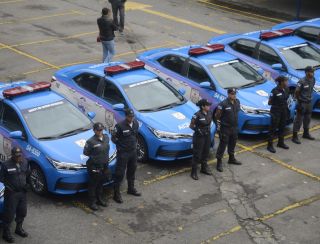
x=20 y=231
x=295 y=138
x=117 y=195
x=205 y=169
x=270 y=147
x=281 y=143
x=307 y=135
x=132 y=190
x=93 y=204
x=219 y=165
x=194 y=173
x=6 y=235
x=233 y=160
x=101 y=198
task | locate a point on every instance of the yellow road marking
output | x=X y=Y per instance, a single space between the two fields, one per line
x=136 y=6
x=244 y=13
x=266 y=217
x=29 y=56
x=12 y=1
x=72 y=12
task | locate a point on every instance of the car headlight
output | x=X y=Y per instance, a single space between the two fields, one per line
x=66 y=166
x=113 y=156
x=169 y=135
x=316 y=88
x=252 y=110
x=2 y=192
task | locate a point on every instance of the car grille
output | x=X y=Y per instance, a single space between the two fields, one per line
x=248 y=126
x=174 y=154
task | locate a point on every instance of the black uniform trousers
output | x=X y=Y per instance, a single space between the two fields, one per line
x=15 y=204
x=97 y=177
x=116 y=7
x=126 y=161
x=278 y=122
x=304 y=112
x=228 y=137
x=201 y=147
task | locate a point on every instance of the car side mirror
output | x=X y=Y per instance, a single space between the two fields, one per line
x=206 y=85
x=118 y=107
x=91 y=115
x=260 y=71
x=16 y=135
x=182 y=91
x=278 y=67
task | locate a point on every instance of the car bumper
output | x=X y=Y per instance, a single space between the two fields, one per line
x=64 y=182
x=316 y=102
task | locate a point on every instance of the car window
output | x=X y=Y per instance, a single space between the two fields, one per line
x=197 y=73
x=268 y=55
x=10 y=119
x=246 y=47
x=88 y=82
x=173 y=63
x=309 y=33
x=112 y=94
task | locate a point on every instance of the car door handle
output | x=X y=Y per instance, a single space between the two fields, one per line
x=98 y=104
x=72 y=90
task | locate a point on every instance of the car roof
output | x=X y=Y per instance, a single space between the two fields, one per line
x=29 y=100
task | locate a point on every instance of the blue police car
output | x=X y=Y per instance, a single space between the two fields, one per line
x=278 y=53
x=207 y=72
x=51 y=133
x=308 y=30
x=162 y=112
x=1 y=199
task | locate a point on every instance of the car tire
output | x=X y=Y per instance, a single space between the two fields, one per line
x=142 y=150
x=37 y=180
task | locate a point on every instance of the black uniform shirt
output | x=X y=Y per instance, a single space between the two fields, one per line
x=125 y=136
x=14 y=175
x=279 y=99
x=305 y=87
x=229 y=113
x=97 y=150
x=202 y=122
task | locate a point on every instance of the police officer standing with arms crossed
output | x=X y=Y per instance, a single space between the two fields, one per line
x=125 y=136
x=200 y=123
x=279 y=112
x=97 y=149
x=13 y=174
x=303 y=95
x=227 y=124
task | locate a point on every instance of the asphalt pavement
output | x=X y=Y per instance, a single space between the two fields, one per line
x=271 y=198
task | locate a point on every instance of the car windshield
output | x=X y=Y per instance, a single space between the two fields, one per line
x=235 y=73
x=55 y=120
x=301 y=56
x=153 y=95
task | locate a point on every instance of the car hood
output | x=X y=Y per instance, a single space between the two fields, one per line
x=70 y=149
x=256 y=96
x=176 y=119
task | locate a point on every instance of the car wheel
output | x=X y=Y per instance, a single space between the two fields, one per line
x=37 y=180
x=142 y=150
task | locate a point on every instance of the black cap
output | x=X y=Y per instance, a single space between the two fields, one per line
x=309 y=69
x=203 y=102
x=129 y=112
x=16 y=151
x=281 y=78
x=232 y=90
x=98 y=126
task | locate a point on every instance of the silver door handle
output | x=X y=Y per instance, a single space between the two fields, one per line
x=72 y=90
x=98 y=104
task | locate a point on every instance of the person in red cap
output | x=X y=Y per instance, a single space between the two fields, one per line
x=13 y=174
x=200 y=124
x=227 y=125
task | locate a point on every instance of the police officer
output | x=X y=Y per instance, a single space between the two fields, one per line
x=13 y=174
x=279 y=112
x=118 y=6
x=227 y=126
x=125 y=137
x=303 y=95
x=201 y=141
x=97 y=149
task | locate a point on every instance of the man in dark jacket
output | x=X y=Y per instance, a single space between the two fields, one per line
x=118 y=6
x=13 y=174
x=106 y=35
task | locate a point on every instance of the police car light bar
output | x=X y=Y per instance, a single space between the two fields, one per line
x=20 y=90
x=274 y=34
x=206 y=49
x=134 y=65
